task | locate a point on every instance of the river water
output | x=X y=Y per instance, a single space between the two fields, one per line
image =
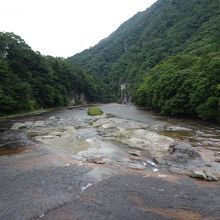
x=202 y=133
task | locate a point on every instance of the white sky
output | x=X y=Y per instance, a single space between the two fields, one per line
x=65 y=27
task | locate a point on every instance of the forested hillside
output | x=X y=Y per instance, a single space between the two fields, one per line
x=29 y=80
x=174 y=46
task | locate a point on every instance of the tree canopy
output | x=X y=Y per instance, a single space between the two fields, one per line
x=29 y=80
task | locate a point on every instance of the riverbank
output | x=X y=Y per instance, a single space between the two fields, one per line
x=41 y=111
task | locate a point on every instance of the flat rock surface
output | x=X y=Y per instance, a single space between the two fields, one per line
x=52 y=187
x=134 y=197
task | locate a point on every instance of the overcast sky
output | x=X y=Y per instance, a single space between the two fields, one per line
x=65 y=27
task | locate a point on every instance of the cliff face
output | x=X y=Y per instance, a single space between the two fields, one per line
x=125 y=95
x=78 y=99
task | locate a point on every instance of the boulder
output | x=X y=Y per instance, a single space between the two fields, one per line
x=18 y=126
x=205 y=175
x=197 y=175
x=95 y=159
x=210 y=176
x=177 y=128
x=155 y=144
x=39 y=123
x=136 y=166
x=182 y=153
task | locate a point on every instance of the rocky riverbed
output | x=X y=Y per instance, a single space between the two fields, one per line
x=124 y=141
x=113 y=140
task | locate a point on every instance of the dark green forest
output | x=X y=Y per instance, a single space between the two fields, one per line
x=168 y=56
x=30 y=81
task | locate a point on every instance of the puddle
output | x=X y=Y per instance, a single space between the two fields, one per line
x=177 y=134
x=71 y=146
x=100 y=173
x=114 y=150
x=12 y=143
x=5 y=151
x=178 y=214
x=110 y=150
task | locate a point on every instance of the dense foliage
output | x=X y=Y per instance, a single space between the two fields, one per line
x=29 y=80
x=175 y=47
x=184 y=85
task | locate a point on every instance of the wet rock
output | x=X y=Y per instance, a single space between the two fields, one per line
x=107 y=126
x=18 y=126
x=95 y=159
x=118 y=123
x=52 y=118
x=178 y=170
x=134 y=158
x=217 y=140
x=83 y=188
x=217 y=160
x=206 y=135
x=158 y=127
x=182 y=153
x=155 y=169
x=135 y=153
x=70 y=189
x=177 y=128
x=48 y=137
x=68 y=132
x=210 y=176
x=107 y=160
x=156 y=160
x=151 y=163
x=198 y=175
x=157 y=145
x=56 y=133
x=136 y=166
x=205 y=175
x=39 y=123
x=208 y=165
x=217 y=153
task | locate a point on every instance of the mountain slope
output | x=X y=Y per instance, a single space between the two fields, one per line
x=168 y=29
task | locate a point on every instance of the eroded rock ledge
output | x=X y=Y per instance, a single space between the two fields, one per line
x=124 y=142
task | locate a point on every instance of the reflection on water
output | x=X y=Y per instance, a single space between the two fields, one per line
x=100 y=173
x=12 y=142
x=11 y=151
x=178 y=134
